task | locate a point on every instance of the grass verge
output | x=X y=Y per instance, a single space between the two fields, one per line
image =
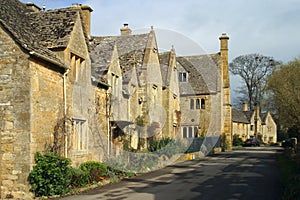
x=290 y=171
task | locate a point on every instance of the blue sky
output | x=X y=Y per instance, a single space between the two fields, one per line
x=268 y=27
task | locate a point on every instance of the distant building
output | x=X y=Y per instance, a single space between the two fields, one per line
x=246 y=124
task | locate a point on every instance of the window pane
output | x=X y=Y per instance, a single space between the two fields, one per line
x=80 y=135
x=195 y=131
x=197 y=104
x=192 y=104
x=184 y=132
x=180 y=76
x=202 y=103
x=184 y=77
x=190 y=132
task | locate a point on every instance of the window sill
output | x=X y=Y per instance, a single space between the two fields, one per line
x=79 y=152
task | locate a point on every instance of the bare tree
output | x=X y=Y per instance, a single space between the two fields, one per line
x=254 y=70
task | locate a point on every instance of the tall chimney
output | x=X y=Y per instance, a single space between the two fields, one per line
x=33 y=7
x=125 y=30
x=245 y=106
x=86 y=18
x=224 y=55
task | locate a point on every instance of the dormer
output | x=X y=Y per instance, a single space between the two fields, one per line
x=183 y=76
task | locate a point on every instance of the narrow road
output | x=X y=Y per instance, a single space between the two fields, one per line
x=250 y=173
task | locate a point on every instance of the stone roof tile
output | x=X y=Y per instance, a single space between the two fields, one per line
x=131 y=51
x=14 y=16
x=164 y=59
x=204 y=73
x=54 y=27
x=101 y=55
x=239 y=116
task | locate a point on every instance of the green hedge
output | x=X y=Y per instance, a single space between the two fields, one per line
x=50 y=176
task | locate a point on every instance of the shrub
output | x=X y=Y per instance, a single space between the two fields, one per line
x=79 y=177
x=159 y=144
x=167 y=147
x=290 y=173
x=237 y=141
x=50 y=176
x=95 y=170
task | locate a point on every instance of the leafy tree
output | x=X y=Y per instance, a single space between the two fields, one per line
x=284 y=83
x=254 y=69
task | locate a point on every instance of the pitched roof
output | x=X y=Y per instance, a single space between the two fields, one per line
x=249 y=114
x=131 y=51
x=101 y=55
x=263 y=117
x=54 y=27
x=201 y=79
x=14 y=17
x=204 y=73
x=164 y=59
x=239 y=116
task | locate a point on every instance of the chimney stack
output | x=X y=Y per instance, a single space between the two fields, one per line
x=245 y=106
x=86 y=17
x=33 y=7
x=224 y=55
x=125 y=30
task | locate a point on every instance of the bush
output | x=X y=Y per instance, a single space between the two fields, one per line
x=237 y=141
x=79 y=178
x=159 y=144
x=50 y=176
x=167 y=147
x=95 y=170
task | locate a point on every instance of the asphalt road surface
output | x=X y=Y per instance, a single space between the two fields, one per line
x=246 y=173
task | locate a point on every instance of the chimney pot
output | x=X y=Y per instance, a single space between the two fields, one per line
x=125 y=30
x=245 y=106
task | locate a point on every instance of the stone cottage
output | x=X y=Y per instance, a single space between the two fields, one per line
x=81 y=96
x=142 y=87
x=205 y=94
x=48 y=101
x=253 y=123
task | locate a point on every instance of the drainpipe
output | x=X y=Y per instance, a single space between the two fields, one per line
x=108 y=122
x=65 y=111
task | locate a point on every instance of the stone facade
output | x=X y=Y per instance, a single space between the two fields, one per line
x=246 y=124
x=80 y=96
x=171 y=95
x=205 y=95
x=15 y=117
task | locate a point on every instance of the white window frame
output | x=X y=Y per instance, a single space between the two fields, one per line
x=80 y=135
x=190 y=132
x=183 y=76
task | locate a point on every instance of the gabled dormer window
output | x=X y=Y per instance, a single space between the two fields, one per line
x=76 y=66
x=183 y=76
